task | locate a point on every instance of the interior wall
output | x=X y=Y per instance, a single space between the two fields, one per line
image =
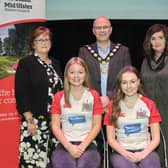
x=120 y=9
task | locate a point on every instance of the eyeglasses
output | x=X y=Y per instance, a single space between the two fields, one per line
x=40 y=41
x=105 y=27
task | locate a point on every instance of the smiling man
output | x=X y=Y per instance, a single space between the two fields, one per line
x=104 y=59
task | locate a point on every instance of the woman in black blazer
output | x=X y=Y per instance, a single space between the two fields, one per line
x=37 y=79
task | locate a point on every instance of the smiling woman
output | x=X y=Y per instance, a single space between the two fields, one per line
x=129 y=84
x=127 y=122
x=37 y=79
x=154 y=72
x=76 y=119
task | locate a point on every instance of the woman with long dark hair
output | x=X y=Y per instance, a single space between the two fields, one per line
x=132 y=124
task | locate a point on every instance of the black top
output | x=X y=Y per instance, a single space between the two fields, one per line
x=31 y=86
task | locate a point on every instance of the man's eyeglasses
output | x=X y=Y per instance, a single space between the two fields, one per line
x=101 y=27
x=40 y=41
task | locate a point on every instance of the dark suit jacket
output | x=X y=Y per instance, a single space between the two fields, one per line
x=117 y=62
x=31 y=86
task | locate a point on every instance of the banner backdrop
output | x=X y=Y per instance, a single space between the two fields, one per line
x=21 y=11
x=9 y=124
x=14 y=37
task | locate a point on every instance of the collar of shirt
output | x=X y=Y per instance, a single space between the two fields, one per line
x=102 y=53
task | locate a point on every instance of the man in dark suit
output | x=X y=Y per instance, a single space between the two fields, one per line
x=104 y=59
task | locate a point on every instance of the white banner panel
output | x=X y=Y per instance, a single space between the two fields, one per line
x=21 y=11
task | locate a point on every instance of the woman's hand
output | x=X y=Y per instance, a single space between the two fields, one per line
x=140 y=155
x=75 y=151
x=31 y=126
x=130 y=156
